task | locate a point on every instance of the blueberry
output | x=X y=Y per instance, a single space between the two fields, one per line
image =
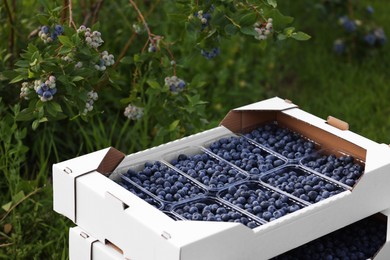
x=59 y=29
x=45 y=29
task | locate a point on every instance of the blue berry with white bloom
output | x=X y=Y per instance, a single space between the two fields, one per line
x=48 y=36
x=210 y=54
x=175 y=84
x=348 y=24
x=380 y=35
x=46 y=90
x=339 y=46
x=370 y=39
x=370 y=9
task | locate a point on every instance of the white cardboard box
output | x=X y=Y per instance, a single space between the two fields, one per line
x=84 y=247
x=110 y=213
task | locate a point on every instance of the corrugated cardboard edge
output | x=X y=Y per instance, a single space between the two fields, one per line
x=110 y=161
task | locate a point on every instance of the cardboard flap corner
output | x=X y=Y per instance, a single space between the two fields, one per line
x=240 y=118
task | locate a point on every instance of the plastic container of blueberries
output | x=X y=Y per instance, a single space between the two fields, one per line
x=337 y=153
x=141 y=193
x=210 y=200
x=264 y=152
x=340 y=187
x=140 y=166
x=317 y=146
x=194 y=150
x=255 y=185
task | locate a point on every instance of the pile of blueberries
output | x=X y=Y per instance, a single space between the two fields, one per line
x=163 y=182
x=343 y=169
x=208 y=170
x=360 y=240
x=209 y=209
x=133 y=189
x=302 y=184
x=245 y=155
x=259 y=201
x=282 y=140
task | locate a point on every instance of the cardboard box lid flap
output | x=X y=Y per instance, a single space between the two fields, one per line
x=271 y=104
x=239 y=118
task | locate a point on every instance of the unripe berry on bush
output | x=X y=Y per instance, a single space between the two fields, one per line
x=25 y=90
x=78 y=65
x=92 y=96
x=263 y=30
x=93 y=39
x=133 y=112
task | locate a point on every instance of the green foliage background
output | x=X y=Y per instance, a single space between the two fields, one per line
x=354 y=88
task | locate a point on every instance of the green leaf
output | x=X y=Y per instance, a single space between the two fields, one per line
x=22 y=64
x=173 y=125
x=272 y=3
x=35 y=124
x=77 y=78
x=7 y=206
x=248 y=19
x=43 y=119
x=65 y=41
x=300 y=36
x=54 y=106
x=248 y=30
x=280 y=21
x=153 y=84
x=17 y=79
x=126 y=100
x=231 y=29
x=282 y=37
x=288 y=31
x=18 y=196
x=26 y=114
x=126 y=60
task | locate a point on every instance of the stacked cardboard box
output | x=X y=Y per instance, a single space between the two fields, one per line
x=114 y=222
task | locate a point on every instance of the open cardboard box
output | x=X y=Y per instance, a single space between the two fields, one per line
x=84 y=247
x=111 y=214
